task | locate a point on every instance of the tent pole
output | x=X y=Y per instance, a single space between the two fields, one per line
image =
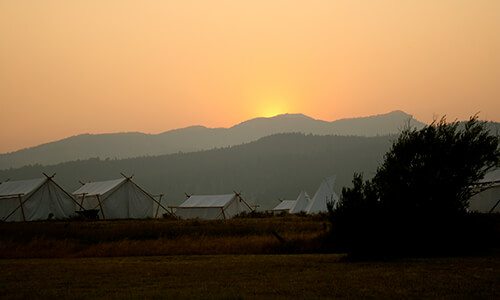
x=5 y=219
x=158 y=208
x=28 y=196
x=100 y=206
x=493 y=208
x=223 y=214
x=68 y=194
x=149 y=195
x=241 y=198
x=81 y=202
x=22 y=207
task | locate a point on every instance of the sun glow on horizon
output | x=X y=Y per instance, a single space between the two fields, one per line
x=272 y=111
x=173 y=64
x=273 y=107
x=270 y=102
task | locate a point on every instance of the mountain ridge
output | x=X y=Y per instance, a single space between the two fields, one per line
x=197 y=137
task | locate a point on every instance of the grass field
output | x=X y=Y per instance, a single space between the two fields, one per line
x=290 y=234
x=271 y=257
x=306 y=276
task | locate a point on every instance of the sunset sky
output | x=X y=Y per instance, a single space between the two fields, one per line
x=94 y=66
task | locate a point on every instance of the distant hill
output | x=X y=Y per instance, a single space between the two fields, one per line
x=196 y=138
x=274 y=167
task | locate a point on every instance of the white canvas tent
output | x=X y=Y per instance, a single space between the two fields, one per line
x=489 y=199
x=35 y=199
x=293 y=206
x=323 y=195
x=301 y=203
x=284 y=206
x=212 y=207
x=118 y=199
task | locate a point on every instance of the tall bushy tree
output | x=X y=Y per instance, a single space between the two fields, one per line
x=431 y=171
x=425 y=181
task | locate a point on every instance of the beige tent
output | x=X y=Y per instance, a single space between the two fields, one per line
x=324 y=195
x=212 y=207
x=35 y=199
x=284 y=206
x=301 y=203
x=293 y=206
x=118 y=199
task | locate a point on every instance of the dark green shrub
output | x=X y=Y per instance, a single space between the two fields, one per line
x=418 y=199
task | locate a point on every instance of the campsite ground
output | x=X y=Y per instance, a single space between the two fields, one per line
x=249 y=276
x=270 y=257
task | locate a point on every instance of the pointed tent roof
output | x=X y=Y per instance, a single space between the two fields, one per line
x=98 y=187
x=20 y=187
x=323 y=195
x=491 y=177
x=207 y=200
x=285 y=205
x=301 y=203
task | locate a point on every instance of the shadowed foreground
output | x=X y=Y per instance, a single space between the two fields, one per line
x=231 y=276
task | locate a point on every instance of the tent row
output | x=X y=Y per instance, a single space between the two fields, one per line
x=44 y=199
x=304 y=204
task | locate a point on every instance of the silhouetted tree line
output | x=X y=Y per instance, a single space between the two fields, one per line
x=417 y=201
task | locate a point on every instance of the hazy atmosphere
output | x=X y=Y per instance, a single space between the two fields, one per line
x=265 y=149
x=71 y=67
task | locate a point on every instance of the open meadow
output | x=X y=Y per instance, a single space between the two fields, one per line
x=270 y=257
x=249 y=276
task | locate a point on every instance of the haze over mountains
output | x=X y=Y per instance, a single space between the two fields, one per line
x=196 y=138
x=274 y=166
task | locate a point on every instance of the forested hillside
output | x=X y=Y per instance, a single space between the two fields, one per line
x=274 y=167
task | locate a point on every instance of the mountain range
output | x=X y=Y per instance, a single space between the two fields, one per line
x=196 y=138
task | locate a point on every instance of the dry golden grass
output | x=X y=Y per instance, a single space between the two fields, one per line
x=308 y=276
x=160 y=237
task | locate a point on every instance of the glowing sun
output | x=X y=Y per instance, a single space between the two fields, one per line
x=272 y=108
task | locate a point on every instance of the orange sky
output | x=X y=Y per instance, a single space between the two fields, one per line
x=70 y=67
